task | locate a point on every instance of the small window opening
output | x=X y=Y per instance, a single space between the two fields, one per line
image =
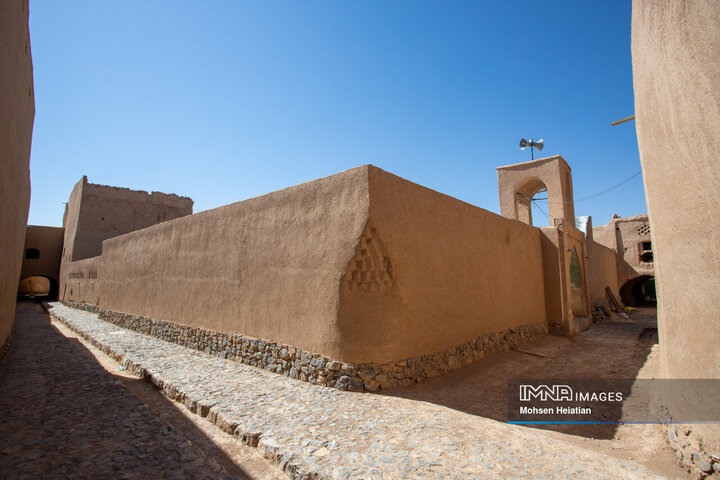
x=646 y=257
x=32 y=253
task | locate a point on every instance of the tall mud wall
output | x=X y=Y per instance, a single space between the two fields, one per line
x=446 y=272
x=361 y=267
x=98 y=212
x=268 y=267
x=602 y=273
x=676 y=74
x=17 y=112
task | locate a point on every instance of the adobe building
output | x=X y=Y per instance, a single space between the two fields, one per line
x=630 y=238
x=17 y=113
x=360 y=280
x=43 y=252
x=95 y=213
x=99 y=212
x=585 y=269
x=676 y=74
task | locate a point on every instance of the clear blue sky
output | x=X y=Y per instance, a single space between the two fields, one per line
x=226 y=100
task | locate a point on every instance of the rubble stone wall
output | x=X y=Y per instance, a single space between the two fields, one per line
x=315 y=368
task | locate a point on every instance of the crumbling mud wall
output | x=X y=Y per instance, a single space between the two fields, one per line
x=676 y=73
x=17 y=113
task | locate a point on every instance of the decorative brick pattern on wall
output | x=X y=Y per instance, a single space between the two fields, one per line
x=370 y=270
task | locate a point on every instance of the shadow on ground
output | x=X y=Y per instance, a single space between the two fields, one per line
x=64 y=416
x=616 y=349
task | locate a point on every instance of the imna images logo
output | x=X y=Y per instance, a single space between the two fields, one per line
x=543 y=393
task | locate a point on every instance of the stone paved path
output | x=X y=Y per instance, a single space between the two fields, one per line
x=317 y=432
x=63 y=416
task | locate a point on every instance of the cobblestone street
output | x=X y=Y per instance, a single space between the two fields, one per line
x=64 y=416
x=309 y=431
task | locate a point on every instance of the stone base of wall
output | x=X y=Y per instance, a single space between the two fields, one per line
x=561 y=330
x=317 y=369
x=692 y=452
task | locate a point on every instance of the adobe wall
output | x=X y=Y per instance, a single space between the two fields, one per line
x=95 y=213
x=360 y=280
x=450 y=272
x=567 y=307
x=98 y=212
x=49 y=243
x=70 y=221
x=557 y=307
x=676 y=73
x=606 y=235
x=82 y=281
x=602 y=273
x=268 y=267
x=17 y=112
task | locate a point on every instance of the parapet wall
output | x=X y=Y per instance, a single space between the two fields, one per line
x=362 y=268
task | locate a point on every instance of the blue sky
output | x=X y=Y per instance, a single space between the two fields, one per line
x=226 y=100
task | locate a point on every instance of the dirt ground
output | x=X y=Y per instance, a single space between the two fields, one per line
x=621 y=349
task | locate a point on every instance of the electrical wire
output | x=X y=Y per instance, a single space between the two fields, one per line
x=603 y=192
x=537 y=205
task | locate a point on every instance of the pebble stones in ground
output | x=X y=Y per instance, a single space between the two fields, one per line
x=318 y=432
x=64 y=416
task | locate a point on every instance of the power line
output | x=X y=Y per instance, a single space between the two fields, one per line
x=603 y=192
x=609 y=189
x=540 y=208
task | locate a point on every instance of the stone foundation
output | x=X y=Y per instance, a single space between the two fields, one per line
x=317 y=369
x=692 y=452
